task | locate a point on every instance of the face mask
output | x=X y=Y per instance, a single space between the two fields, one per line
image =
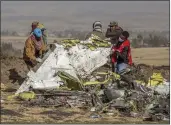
x=120 y=40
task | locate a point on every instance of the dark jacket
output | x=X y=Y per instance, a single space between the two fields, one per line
x=114 y=34
x=124 y=56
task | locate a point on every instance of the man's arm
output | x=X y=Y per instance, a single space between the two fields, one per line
x=88 y=36
x=42 y=50
x=29 y=52
x=109 y=33
x=121 y=29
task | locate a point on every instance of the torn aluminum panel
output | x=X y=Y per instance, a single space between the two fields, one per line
x=78 y=60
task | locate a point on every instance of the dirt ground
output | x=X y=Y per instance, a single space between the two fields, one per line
x=13 y=72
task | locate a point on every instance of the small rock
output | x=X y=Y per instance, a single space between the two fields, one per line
x=101 y=92
x=95 y=116
x=166 y=119
x=2 y=101
x=147 y=117
x=110 y=113
x=93 y=109
x=134 y=114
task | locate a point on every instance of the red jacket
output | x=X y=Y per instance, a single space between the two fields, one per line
x=120 y=49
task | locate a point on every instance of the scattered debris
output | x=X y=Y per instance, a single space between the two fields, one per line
x=69 y=76
x=2 y=101
x=95 y=116
x=93 y=109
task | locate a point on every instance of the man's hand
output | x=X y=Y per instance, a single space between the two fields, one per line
x=117 y=53
x=34 y=62
x=112 y=52
x=108 y=59
x=107 y=39
x=38 y=60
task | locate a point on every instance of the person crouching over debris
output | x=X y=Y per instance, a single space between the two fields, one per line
x=121 y=53
x=33 y=49
x=121 y=58
x=97 y=30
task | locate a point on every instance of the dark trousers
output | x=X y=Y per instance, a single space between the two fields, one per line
x=29 y=64
x=113 y=81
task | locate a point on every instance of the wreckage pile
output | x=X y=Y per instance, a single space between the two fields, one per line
x=69 y=76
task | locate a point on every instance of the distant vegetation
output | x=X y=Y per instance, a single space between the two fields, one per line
x=152 y=40
x=138 y=39
x=9 y=33
x=7 y=50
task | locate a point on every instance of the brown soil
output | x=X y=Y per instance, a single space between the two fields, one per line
x=13 y=70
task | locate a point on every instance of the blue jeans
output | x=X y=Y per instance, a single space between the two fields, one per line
x=120 y=67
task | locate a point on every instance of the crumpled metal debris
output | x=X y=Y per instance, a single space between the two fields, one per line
x=2 y=101
x=73 y=68
x=95 y=116
x=61 y=98
x=149 y=104
x=113 y=93
x=77 y=61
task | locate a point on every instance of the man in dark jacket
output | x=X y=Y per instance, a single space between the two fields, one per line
x=113 y=32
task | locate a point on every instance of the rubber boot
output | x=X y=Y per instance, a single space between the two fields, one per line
x=118 y=84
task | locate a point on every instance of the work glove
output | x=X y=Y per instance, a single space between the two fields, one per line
x=82 y=42
x=107 y=39
x=108 y=59
x=34 y=62
x=38 y=60
x=117 y=52
x=111 y=52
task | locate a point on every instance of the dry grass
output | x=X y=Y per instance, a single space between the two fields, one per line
x=15 y=113
x=7 y=50
x=151 y=56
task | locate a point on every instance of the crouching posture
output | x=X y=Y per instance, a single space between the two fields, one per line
x=33 y=49
x=121 y=53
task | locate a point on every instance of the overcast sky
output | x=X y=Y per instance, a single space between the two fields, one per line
x=60 y=15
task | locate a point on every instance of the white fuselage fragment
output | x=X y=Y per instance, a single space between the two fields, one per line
x=78 y=60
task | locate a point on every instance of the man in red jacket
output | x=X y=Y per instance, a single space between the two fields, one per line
x=121 y=53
